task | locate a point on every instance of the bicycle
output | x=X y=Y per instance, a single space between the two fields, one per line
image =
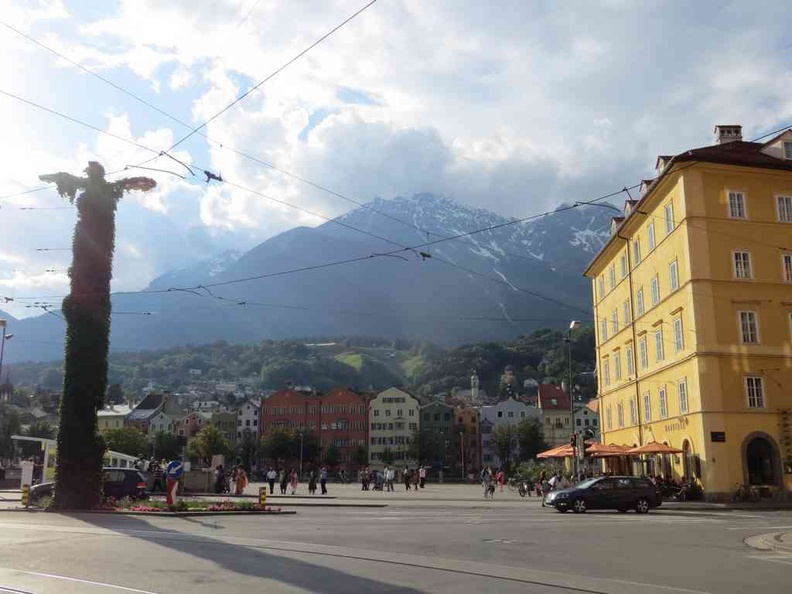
x=745 y=493
x=514 y=483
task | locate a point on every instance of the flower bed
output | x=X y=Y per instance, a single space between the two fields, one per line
x=182 y=506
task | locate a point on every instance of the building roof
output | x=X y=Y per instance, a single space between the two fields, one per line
x=593 y=406
x=114 y=410
x=552 y=397
x=736 y=152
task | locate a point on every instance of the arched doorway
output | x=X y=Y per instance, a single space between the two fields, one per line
x=761 y=463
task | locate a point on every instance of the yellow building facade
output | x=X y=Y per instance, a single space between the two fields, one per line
x=693 y=309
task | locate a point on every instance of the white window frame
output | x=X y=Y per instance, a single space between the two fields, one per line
x=608 y=418
x=620 y=414
x=615 y=321
x=624 y=268
x=673 y=274
x=786 y=266
x=640 y=301
x=606 y=371
x=633 y=412
x=684 y=397
x=650 y=237
x=669 y=217
x=643 y=352
x=749 y=313
x=679 y=335
x=631 y=361
x=752 y=382
x=647 y=398
x=601 y=286
x=662 y=395
x=659 y=346
x=637 y=250
x=626 y=313
x=736 y=269
x=617 y=366
x=655 y=290
x=737 y=208
x=784 y=214
x=612 y=276
x=603 y=330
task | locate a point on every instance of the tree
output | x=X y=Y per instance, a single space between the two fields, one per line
x=530 y=439
x=277 y=444
x=78 y=475
x=503 y=440
x=126 y=440
x=360 y=456
x=115 y=394
x=36 y=429
x=165 y=445
x=247 y=449
x=209 y=442
x=332 y=456
x=9 y=425
x=420 y=446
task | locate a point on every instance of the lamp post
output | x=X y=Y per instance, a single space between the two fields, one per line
x=462 y=451
x=301 y=454
x=572 y=325
x=3 y=323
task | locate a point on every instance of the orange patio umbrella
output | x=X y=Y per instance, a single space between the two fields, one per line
x=564 y=451
x=654 y=448
x=601 y=450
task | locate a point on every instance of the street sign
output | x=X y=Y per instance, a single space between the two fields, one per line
x=175 y=469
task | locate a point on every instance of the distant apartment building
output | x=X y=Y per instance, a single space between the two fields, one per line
x=556 y=414
x=467 y=426
x=248 y=418
x=394 y=415
x=226 y=423
x=112 y=417
x=437 y=430
x=161 y=423
x=190 y=424
x=506 y=412
x=150 y=406
x=338 y=418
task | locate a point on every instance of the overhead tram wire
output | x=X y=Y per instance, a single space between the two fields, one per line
x=272 y=74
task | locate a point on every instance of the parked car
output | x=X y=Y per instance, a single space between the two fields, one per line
x=608 y=492
x=117 y=483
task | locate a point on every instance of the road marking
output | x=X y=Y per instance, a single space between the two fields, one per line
x=762 y=526
x=785 y=559
x=79 y=580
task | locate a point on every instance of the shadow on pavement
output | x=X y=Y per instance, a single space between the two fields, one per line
x=246 y=560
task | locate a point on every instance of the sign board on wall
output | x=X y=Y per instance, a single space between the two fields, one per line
x=718 y=436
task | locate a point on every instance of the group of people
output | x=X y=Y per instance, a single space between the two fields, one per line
x=372 y=479
x=223 y=480
x=155 y=469
x=289 y=480
x=489 y=478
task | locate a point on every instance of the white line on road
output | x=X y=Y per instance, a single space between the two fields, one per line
x=762 y=526
x=79 y=580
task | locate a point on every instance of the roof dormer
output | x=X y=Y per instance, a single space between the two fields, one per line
x=726 y=133
x=645 y=183
x=615 y=224
x=629 y=206
x=662 y=162
x=780 y=146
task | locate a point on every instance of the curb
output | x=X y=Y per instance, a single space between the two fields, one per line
x=770 y=541
x=158 y=514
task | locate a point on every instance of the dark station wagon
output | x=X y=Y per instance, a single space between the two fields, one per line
x=607 y=492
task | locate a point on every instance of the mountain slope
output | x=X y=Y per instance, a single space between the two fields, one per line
x=527 y=270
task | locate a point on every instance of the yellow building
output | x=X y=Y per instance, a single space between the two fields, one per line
x=693 y=308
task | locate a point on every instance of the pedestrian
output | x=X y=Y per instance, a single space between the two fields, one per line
x=293 y=481
x=485 y=478
x=284 y=480
x=323 y=479
x=500 y=478
x=422 y=476
x=159 y=481
x=416 y=475
x=312 y=483
x=364 y=478
x=406 y=478
x=272 y=476
x=240 y=480
x=219 y=479
x=390 y=474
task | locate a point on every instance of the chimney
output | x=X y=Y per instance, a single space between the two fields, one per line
x=725 y=134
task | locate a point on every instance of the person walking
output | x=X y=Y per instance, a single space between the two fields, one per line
x=416 y=476
x=486 y=479
x=159 y=479
x=500 y=478
x=323 y=479
x=390 y=474
x=406 y=478
x=219 y=479
x=293 y=481
x=240 y=480
x=284 y=480
x=312 y=482
x=364 y=478
x=422 y=476
x=272 y=476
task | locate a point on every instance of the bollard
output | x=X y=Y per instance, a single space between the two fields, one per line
x=263 y=495
x=26 y=495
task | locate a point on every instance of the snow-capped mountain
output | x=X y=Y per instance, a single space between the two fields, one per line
x=405 y=279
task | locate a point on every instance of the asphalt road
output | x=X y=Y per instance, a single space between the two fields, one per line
x=474 y=546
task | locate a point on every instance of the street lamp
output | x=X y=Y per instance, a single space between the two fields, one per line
x=462 y=448
x=572 y=325
x=301 y=454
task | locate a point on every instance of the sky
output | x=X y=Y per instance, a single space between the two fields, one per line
x=515 y=106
